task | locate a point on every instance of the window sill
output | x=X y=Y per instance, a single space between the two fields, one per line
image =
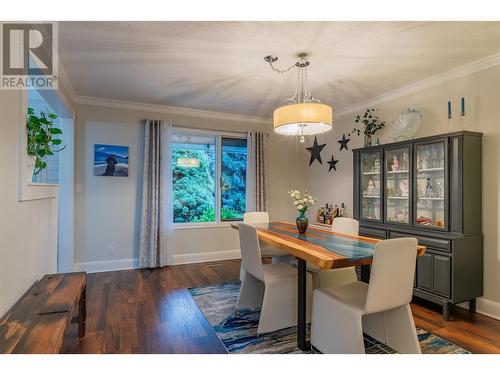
x=226 y=224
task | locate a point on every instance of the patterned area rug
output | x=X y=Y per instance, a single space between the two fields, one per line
x=238 y=330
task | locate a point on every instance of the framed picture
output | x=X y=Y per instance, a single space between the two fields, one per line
x=110 y=160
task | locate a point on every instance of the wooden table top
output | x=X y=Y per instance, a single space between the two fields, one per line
x=320 y=246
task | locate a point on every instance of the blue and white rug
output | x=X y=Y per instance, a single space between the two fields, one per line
x=238 y=331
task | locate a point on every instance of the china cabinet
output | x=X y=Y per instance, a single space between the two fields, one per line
x=428 y=188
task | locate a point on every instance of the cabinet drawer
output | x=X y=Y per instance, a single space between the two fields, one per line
x=372 y=232
x=434 y=273
x=438 y=243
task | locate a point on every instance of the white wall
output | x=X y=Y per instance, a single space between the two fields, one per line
x=107 y=209
x=27 y=249
x=482 y=93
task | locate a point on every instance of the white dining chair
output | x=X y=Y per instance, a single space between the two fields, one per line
x=337 y=276
x=266 y=249
x=381 y=308
x=272 y=286
x=276 y=255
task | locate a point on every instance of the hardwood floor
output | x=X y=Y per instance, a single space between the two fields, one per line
x=150 y=311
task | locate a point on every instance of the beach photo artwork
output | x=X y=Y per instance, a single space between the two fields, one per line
x=110 y=160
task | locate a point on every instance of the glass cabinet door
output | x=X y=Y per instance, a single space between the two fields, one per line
x=397 y=185
x=431 y=185
x=370 y=185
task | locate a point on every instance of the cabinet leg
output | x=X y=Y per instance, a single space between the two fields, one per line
x=446 y=311
x=472 y=305
x=365 y=273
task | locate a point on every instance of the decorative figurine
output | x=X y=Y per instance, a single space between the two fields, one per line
x=403 y=186
x=370 y=190
x=424 y=220
x=439 y=192
x=395 y=163
x=429 y=190
x=405 y=160
x=440 y=223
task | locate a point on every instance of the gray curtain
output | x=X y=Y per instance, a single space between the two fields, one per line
x=257 y=179
x=152 y=234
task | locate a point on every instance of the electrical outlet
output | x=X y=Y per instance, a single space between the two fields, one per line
x=111 y=250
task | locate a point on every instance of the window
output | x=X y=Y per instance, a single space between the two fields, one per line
x=233 y=178
x=209 y=178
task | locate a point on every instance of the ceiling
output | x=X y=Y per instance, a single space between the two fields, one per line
x=219 y=66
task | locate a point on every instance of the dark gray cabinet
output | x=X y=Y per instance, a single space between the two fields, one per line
x=428 y=188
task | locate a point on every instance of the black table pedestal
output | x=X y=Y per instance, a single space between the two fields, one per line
x=302 y=342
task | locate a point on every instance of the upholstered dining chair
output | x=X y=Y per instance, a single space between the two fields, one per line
x=272 y=286
x=381 y=308
x=276 y=255
x=338 y=276
x=266 y=249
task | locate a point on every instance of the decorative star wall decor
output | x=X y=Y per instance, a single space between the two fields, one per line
x=343 y=142
x=333 y=164
x=315 y=151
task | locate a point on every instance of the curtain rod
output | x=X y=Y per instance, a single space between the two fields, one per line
x=211 y=130
x=208 y=129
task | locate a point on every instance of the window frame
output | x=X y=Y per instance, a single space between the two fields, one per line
x=218 y=135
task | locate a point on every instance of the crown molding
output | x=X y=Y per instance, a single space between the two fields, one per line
x=191 y=112
x=63 y=78
x=432 y=81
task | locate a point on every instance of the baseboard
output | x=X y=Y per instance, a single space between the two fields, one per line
x=488 y=307
x=485 y=307
x=206 y=257
x=107 y=265
x=127 y=264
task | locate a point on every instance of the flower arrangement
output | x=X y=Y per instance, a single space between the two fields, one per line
x=370 y=121
x=302 y=202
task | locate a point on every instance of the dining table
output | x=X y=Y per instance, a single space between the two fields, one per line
x=322 y=247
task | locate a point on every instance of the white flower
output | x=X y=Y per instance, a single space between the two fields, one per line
x=295 y=202
x=300 y=207
x=292 y=194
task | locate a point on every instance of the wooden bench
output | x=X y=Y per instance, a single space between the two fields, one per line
x=37 y=322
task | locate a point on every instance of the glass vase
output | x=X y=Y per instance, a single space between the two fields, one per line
x=302 y=222
x=368 y=140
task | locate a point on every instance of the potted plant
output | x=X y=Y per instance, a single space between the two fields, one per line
x=302 y=203
x=371 y=123
x=43 y=138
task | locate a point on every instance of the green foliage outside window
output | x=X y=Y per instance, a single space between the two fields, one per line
x=233 y=194
x=194 y=188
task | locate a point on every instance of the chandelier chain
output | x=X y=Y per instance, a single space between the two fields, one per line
x=279 y=70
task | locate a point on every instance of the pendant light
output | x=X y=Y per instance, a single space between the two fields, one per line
x=302 y=114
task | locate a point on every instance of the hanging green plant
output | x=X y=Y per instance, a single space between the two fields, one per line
x=44 y=138
x=371 y=123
